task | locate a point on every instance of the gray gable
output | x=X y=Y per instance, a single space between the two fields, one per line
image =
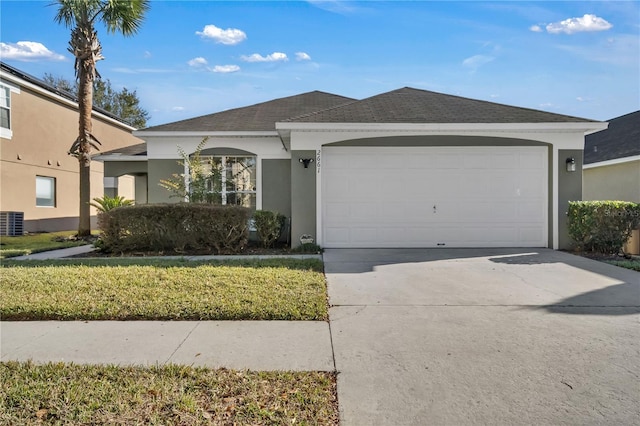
x=258 y=117
x=621 y=139
x=408 y=105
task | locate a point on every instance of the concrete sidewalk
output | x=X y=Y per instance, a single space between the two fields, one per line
x=254 y=345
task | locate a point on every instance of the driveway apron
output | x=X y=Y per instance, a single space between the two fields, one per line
x=483 y=336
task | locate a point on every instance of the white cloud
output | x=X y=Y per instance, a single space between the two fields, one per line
x=301 y=56
x=28 y=51
x=274 y=57
x=575 y=25
x=178 y=108
x=536 y=28
x=197 y=62
x=476 y=61
x=225 y=69
x=230 y=36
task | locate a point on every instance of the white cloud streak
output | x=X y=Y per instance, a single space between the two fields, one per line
x=302 y=56
x=274 y=57
x=225 y=69
x=230 y=36
x=476 y=61
x=587 y=23
x=197 y=62
x=28 y=51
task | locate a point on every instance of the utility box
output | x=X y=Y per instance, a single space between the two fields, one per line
x=11 y=224
x=633 y=245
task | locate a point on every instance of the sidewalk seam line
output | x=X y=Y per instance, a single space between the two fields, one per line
x=182 y=343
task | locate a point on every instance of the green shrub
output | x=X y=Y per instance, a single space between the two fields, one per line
x=175 y=228
x=602 y=226
x=107 y=203
x=308 y=248
x=268 y=226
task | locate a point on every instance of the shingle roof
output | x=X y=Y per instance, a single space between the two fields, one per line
x=139 y=149
x=621 y=139
x=258 y=117
x=408 y=105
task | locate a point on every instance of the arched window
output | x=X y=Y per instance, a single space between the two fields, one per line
x=231 y=179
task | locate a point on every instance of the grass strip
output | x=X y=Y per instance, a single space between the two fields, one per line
x=634 y=265
x=132 y=289
x=69 y=394
x=36 y=243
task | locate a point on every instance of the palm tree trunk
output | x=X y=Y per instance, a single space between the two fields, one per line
x=85 y=105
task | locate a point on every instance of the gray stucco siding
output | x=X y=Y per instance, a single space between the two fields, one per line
x=569 y=189
x=276 y=186
x=160 y=170
x=303 y=197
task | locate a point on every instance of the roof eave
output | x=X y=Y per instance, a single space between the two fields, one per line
x=117 y=157
x=612 y=162
x=203 y=133
x=587 y=127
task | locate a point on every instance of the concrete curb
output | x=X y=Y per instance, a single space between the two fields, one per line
x=65 y=254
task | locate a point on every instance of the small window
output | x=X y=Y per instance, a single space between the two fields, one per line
x=45 y=191
x=5 y=109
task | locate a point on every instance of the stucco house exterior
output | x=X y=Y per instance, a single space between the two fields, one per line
x=611 y=168
x=38 y=179
x=406 y=168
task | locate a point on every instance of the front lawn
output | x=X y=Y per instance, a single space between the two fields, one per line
x=160 y=289
x=35 y=243
x=179 y=395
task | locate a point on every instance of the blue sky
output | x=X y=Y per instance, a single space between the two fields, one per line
x=198 y=57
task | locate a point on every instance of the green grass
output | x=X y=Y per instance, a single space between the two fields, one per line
x=629 y=264
x=81 y=395
x=35 y=243
x=159 y=289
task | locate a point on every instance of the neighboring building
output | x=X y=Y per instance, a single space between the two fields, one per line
x=407 y=168
x=37 y=177
x=612 y=165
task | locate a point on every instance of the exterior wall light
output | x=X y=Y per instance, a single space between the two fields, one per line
x=571 y=164
x=305 y=161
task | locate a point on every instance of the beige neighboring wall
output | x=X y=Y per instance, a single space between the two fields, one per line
x=43 y=127
x=619 y=181
x=614 y=182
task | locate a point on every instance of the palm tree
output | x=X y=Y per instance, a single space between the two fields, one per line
x=123 y=16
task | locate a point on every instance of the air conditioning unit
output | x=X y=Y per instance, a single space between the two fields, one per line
x=11 y=224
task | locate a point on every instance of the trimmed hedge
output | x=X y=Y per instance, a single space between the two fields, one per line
x=602 y=226
x=175 y=228
x=268 y=226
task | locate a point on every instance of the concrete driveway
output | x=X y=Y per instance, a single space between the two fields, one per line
x=483 y=336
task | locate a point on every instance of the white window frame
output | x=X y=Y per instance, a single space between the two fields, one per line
x=52 y=183
x=223 y=164
x=7 y=133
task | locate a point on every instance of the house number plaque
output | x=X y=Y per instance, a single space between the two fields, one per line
x=318 y=161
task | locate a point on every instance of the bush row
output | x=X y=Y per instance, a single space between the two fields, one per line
x=175 y=228
x=602 y=226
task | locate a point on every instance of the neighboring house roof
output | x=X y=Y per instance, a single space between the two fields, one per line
x=258 y=117
x=620 y=140
x=408 y=105
x=139 y=149
x=62 y=93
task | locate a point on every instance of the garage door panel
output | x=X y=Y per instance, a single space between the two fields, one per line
x=483 y=197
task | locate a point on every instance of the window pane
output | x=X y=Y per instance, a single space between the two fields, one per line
x=5 y=97
x=4 y=118
x=45 y=191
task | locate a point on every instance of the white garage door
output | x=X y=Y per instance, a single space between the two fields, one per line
x=434 y=197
